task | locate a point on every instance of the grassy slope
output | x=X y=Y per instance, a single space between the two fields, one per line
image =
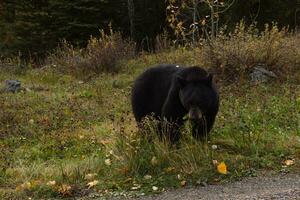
x=73 y=133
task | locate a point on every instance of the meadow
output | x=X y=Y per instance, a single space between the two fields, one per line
x=70 y=132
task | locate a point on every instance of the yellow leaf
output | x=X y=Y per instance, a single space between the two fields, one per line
x=107 y=162
x=51 y=183
x=289 y=162
x=183 y=183
x=92 y=184
x=222 y=168
x=154 y=188
x=65 y=190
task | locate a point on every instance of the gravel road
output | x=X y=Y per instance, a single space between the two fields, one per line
x=270 y=187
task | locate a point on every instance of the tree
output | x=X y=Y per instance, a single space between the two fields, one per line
x=194 y=19
x=148 y=21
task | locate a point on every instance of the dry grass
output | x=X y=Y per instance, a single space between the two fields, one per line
x=233 y=56
x=102 y=54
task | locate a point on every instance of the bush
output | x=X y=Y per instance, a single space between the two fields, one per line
x=102 y=54
x=234 y=55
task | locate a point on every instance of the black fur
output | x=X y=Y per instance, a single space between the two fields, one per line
x=171 y=92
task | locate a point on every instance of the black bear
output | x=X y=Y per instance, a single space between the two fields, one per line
x=171 y=92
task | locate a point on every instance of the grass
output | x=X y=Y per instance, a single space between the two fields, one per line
x=69 y=136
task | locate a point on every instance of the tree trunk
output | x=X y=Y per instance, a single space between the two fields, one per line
x=131 y=17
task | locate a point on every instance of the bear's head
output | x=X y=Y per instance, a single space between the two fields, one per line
x=196 y=93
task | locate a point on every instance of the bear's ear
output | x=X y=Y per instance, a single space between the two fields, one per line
x=181 y=81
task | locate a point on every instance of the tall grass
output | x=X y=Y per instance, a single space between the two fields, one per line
x=102 y=54
x=233 y=56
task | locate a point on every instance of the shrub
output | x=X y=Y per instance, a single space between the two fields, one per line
x=234 y=55
x=102 y=54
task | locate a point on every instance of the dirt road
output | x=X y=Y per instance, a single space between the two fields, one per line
x=270 y=187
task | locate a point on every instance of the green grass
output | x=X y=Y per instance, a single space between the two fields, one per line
x=74 y=132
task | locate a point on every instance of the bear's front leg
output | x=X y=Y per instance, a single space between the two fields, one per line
x=170 y=130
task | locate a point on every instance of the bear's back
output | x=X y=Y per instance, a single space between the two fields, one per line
x=150 y=90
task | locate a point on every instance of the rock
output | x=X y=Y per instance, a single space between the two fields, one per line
x=12 y=86
x=261 y=75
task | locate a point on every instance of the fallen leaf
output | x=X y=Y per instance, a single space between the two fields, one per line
x=215 y=162
x=183 y=183
x=51 y=183
x=92 y=184
x=289 y=162
x=154 y=188
x=136 y=187
x=65 y=190
x=107 y=162
x=222 y=168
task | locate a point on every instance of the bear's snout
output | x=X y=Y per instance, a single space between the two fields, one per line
x=195 y=113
